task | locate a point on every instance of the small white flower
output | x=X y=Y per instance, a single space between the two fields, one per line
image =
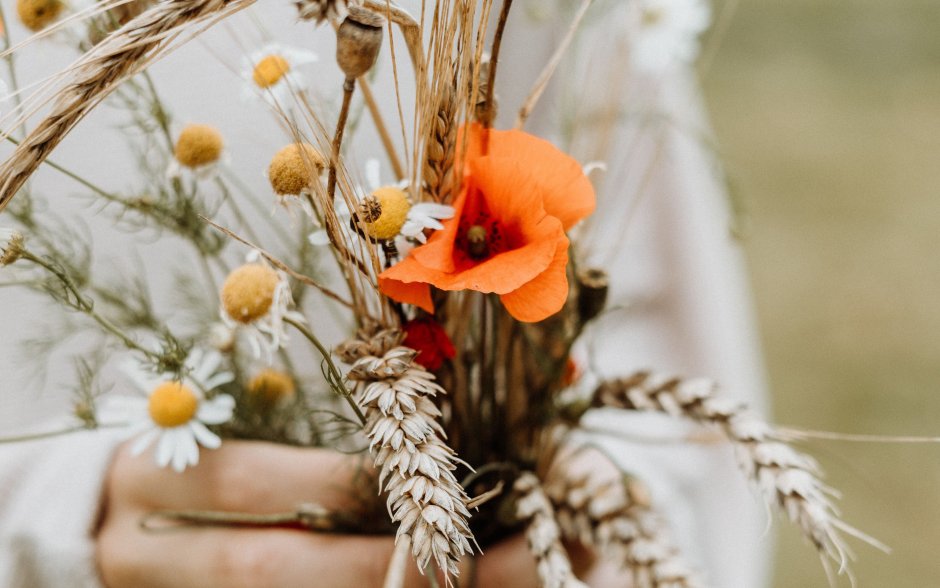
x=666 y=32
x=256 y=300
x=175 y=413
x=421 y=216
x=272 y=73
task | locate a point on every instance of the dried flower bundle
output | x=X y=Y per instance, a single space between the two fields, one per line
x=463 y=282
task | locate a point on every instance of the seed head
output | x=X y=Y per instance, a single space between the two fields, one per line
x=38 y=14
x=12 y=243
x=358 y=41
x=384 y=213
x=272 y=386
x=295 y=168
x=198 y=145
x=248 y=292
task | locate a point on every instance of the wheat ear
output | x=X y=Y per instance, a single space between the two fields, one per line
x=543 y=534
x=786 y=478
x=416 y=466
x=614 y=517
x=122 y=54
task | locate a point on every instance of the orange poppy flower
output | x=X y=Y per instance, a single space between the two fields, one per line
x=507 y=235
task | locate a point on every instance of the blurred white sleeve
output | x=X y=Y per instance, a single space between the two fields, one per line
x=679 y=300
x=50 y=496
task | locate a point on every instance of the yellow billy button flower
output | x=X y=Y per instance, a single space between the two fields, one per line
x=383 y=214
x=38 y=14
x=172 y=404
x=269 y=71
x=198 y=145
x=248 y=292
x=271 y=386
x=295 y=168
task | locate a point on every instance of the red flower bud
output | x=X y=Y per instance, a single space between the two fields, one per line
x=427 y=337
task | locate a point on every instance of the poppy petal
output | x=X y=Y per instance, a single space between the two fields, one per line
x=568 y=193
x=546 y=294
x=403 y=284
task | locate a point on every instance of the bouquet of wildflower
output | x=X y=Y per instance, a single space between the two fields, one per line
x=460 y=279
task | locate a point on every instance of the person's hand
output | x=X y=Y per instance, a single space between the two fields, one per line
x=250 y=477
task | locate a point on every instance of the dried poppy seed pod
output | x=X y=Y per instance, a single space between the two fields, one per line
x=593 y=285
x=358 y=41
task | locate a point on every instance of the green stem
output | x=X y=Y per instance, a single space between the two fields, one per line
x=96 y=189
x=337 y=377
x=87 y=306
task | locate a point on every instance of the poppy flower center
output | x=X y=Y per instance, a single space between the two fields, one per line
x=269 y=71
x=172 y=404
x=480 y=236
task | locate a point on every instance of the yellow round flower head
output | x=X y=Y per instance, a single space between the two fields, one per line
x=271 y=386
x=198 y=145
x=38 y=14
x=385 y=220
x=295 y=168
x=172 y=404
x=248 y=292
x=269 y=71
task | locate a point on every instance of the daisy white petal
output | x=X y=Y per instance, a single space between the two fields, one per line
x=144 y=441
x=165 y=447
x=204 y=436
x=216 y=411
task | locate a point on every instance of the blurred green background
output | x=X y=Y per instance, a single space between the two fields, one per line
x=828 y=117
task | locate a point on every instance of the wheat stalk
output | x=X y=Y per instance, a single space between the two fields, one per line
x=416 y=466
x=543 y=534
x=439 y=147
x=786 y=478
x=615 y=517
x=121 y=55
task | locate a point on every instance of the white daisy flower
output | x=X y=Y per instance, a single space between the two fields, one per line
x=394 y=215
x=199 y=152
x=11 y=245
x=70 y=22
x=255 y=300
x=666 y=32
x=272 y=73
x=175 y=413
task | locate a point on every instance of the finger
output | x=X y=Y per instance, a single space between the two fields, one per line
x=243 y=558
x=245 y=476
x=508 y=563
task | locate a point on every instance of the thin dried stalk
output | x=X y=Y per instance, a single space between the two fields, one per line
x=124 y=53
x=416 y=467
x=542 y=82
x=786 y=478
x=544 y=535
x=615 y=518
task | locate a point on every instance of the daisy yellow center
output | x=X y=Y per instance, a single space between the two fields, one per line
x=248 y=292
x=269 y=71
x=385 y=212
x=38 y=14
x=295 y=168
x=172 y=404
x=198 y=145
x=272 y=386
